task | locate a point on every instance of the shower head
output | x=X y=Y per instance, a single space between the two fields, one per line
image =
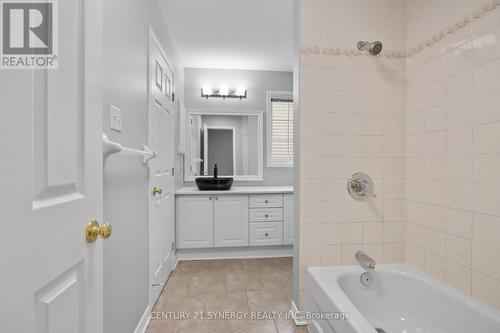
x=374 y=48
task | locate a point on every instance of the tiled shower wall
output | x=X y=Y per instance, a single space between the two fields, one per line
x=422 y=120
x=351 y=119
x=453 y=147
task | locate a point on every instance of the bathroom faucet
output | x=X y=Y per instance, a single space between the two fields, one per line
x=365 y=261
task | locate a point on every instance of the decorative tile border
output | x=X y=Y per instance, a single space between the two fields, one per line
x=413 y=51
x=351 y=52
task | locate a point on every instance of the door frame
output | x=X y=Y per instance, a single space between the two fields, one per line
x=233 y=130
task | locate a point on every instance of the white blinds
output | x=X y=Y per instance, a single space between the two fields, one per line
x=282 y=130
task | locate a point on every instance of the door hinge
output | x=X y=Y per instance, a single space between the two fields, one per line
x=173 y=171
x=173 y=247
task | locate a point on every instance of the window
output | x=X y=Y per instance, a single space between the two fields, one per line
x=279 y=129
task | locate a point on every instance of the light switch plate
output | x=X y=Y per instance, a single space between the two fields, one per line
x=115 y=118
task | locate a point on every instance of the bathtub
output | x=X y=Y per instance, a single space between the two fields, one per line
x=401 y=299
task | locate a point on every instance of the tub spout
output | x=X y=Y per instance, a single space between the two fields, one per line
x=365 y=261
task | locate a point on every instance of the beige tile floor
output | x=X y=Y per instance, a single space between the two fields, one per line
x=204 y=288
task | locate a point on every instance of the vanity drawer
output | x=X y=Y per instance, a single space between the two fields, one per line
x=267 y=233
x=263 y=201
x=266 y=214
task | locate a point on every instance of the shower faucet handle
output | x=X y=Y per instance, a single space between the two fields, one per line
x=360 y=186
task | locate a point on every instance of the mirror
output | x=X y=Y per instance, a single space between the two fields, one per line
x=233 y=141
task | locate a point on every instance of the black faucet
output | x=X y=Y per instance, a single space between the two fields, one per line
x=215 y=171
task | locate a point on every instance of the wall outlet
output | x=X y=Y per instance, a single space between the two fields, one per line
x=115 y=118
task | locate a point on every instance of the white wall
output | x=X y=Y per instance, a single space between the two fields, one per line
x=257 y=83
x=126 y=265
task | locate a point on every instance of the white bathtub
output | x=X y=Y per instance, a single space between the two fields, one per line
x=401 y=300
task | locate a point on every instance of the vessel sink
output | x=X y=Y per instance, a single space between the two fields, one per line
x=214 y=184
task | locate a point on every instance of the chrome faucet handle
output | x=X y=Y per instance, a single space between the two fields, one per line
x=360 y=186
x=365 y=261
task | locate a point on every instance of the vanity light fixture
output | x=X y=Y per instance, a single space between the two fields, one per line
x=223 y=92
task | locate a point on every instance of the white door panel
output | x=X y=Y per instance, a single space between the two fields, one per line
x=231 y=221
x=161 y=140
x=51 y=184
x=195 y=222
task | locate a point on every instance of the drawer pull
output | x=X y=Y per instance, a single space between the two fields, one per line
x=266 y=201
x=267 y=215
x=266 y=234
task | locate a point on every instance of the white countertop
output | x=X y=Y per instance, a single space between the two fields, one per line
x=238 y=190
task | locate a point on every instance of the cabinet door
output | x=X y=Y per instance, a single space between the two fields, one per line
x=231 y=221
x=289 y=232
x=195 y=221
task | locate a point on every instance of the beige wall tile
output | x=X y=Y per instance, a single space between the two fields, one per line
x=459 y=223
x=459 y=250
x=485 y=259
x=352 y=233
x=458 y=276
x=486 y=138
x=435 y=265
x=486 y=230
x=486 y=289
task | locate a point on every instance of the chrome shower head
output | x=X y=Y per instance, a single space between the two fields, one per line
x=374 y=48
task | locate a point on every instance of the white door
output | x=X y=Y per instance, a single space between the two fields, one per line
x=51 y=184
x=195 y=221
x=231 y=221
x=161 y=169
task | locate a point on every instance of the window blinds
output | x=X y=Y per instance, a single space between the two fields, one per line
x=282 y=130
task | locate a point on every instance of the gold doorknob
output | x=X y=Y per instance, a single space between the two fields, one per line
x=94 y=230
x=157 y=191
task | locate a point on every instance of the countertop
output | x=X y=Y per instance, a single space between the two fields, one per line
x=238 y=190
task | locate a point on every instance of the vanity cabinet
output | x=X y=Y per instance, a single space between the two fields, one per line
x=195 y=227
x=230 y=221
x=212 y=221
x=234 y=220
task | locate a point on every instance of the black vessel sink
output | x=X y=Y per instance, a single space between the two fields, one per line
x=214 y=184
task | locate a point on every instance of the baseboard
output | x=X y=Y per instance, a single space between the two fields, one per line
x=235 y=253
x=144 y=322
x=297 y=315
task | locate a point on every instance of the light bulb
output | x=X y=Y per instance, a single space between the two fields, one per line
x=207 y=90
x=240 y=91
x=224 y=91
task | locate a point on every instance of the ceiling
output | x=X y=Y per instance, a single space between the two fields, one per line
x=232 y=34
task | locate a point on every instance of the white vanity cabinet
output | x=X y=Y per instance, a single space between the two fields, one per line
x=237 y=219
x=230 y=220
x=195 y=222
x=212 y=221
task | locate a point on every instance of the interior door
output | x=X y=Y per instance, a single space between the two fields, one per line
x=51 y=183
x=161 y=169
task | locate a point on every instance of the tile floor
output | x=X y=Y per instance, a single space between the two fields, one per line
x=205 y=288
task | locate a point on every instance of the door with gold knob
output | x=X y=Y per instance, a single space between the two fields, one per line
x=51 y=181
x=161 y=174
